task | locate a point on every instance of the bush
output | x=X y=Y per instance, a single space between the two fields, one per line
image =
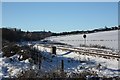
x=41 y=74
x=94 y=46
x=10 y=49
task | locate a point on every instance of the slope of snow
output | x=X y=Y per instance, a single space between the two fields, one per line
x=76 y=63
x=107 y=38
x=12 y=67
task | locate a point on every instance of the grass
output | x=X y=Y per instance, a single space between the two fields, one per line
x=95 y=46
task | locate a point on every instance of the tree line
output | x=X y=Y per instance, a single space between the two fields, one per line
x=88 y=31
x=16 y=35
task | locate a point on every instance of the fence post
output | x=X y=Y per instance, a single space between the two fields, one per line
x=62 y=68
x=62 y=65
x=53 y=50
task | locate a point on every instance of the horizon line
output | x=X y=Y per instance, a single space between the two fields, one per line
x=56 y=31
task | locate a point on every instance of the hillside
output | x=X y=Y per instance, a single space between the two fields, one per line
x=108 y=39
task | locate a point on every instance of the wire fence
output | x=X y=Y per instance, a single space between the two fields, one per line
x=54 y=67
x=90 y=40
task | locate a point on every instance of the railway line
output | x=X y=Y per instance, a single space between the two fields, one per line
x=88 y=52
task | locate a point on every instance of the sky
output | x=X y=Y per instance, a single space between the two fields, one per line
x=60 y=0
x=59 y=16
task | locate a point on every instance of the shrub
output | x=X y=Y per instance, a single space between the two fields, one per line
x=10 y=50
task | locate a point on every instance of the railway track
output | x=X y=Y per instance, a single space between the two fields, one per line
x=89 y=52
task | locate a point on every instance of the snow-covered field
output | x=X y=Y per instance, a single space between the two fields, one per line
x=76 y=63
x=73 y=61
x=107 y=38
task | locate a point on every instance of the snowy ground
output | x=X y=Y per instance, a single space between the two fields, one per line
x=73 y=62
x=107 y=38
x=76 y=63
x=11 y=67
